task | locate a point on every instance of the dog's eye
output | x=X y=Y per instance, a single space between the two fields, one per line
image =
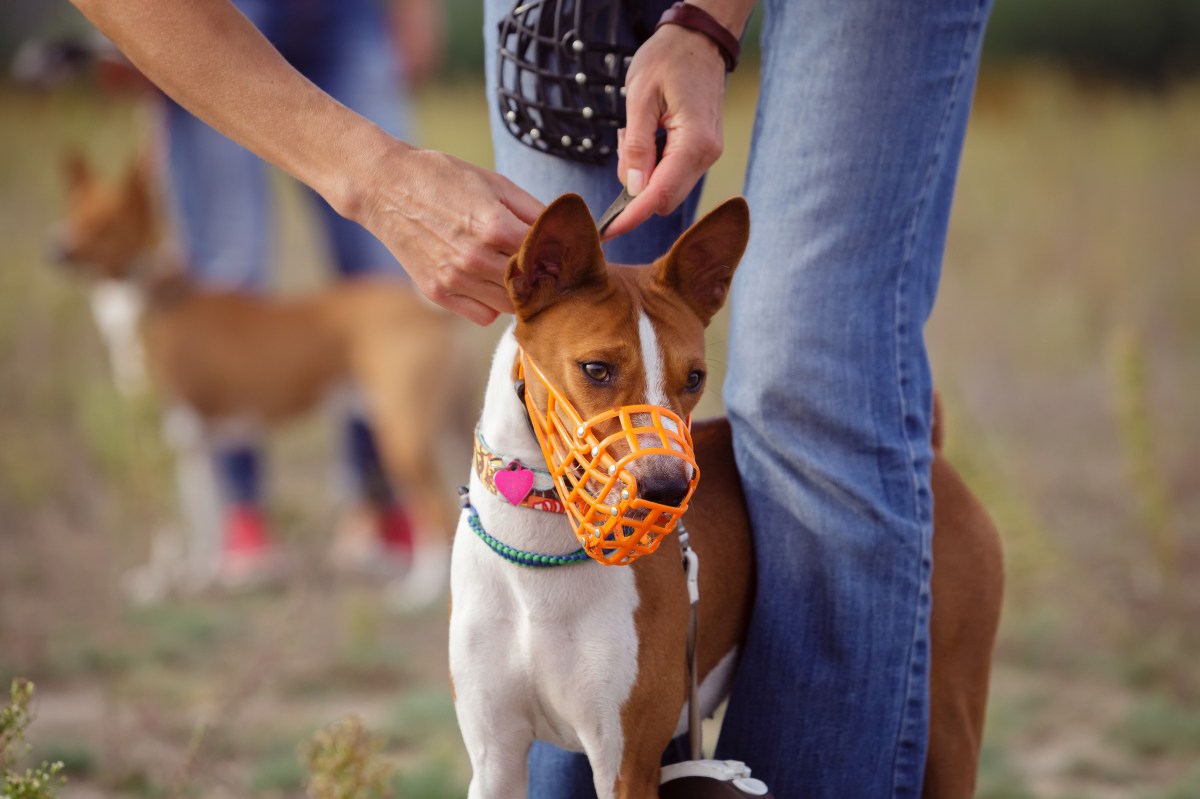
x=597 y=371
x=695 y=380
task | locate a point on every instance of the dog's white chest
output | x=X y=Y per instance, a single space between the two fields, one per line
x=552 y=650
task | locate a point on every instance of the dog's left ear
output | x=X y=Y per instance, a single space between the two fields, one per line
x=560 y=254
x=700 y=265
x=76 y=169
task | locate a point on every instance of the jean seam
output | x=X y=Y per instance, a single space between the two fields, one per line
x=922 y=612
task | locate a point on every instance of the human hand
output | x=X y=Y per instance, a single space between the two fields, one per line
x=418 y=36
x=676 y=81
x=452 y=225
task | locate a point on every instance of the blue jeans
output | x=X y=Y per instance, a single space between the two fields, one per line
x=222 y=200
x=856 y=144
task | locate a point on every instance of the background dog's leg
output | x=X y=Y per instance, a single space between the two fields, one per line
x=429 y=575
x=408 y=416
x=199 y=495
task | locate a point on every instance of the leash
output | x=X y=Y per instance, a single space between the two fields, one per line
x=691 y=571
x=625 y=198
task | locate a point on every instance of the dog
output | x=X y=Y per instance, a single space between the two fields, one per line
x=224 y=361
x=590 y=657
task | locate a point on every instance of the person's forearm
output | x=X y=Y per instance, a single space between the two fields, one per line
x=215 y=63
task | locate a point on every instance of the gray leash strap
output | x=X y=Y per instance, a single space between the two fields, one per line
x=625 y=198
x=620 y=204
x=691 y=571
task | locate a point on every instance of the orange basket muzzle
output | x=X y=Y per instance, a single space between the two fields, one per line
x=591 y=469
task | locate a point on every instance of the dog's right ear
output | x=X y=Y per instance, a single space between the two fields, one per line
x=560 y=254
x=76 y=170
x=700 y=265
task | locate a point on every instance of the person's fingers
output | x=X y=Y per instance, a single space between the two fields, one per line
x=636 y=150
x=470 y=309
x=668 y=187
x=493 y=295
x=524 y=205
x=480 y=277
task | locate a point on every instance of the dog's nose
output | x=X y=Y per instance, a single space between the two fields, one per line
x=663 y=490
x=58 y=250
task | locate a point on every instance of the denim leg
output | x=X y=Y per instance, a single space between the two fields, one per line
x=239 y=473
x=343 y=47
x=218 y=191
x=856 y=146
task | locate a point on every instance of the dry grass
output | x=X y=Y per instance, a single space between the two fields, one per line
x=1065 y=342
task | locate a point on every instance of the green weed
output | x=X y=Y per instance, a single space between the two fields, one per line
x=38 y=782
x=344 y=762
x=1128 y=365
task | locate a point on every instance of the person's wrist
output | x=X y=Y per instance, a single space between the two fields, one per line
x=719 y=31
x=733 y=16
x=350 y=183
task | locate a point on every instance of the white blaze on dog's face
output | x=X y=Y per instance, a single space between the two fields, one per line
x=608 y=336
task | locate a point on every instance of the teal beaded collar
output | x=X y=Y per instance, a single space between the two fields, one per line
x=532 y=560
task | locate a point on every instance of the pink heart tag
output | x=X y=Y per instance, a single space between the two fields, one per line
x=514 y=484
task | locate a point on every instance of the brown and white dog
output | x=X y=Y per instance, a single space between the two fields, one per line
x=591 y=657
x=223 y=359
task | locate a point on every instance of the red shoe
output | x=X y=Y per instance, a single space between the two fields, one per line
x=395 y=529
x=372 y=541
x=250 y=556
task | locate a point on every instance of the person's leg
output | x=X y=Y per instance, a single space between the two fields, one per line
x=343 y=46
x=218 y=193
x=861 y=119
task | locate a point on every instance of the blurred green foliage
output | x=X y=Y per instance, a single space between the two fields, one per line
x=1147 y=41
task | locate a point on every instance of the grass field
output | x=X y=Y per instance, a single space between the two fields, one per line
x=1066 y=343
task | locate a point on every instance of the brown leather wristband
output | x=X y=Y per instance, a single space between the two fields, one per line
x=697 y=19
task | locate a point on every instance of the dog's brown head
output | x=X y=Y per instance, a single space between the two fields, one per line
x=107 y=227
x=611 y=336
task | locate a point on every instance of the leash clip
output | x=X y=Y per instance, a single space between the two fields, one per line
x=691 y=564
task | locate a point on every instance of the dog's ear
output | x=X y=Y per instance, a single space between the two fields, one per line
x=700 y=265
x=560 y=254
x=76 y=169
x=138 y=187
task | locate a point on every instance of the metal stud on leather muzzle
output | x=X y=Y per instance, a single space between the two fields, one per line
x=590 y=462
x=561 y=74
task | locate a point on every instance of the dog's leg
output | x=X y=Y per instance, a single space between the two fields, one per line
x=408 y=431
x=499 y=760
x=968 y=587
x=199 y=495
x=604 y=753
x=492 y=690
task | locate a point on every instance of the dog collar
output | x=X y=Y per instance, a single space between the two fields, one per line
x=513 y=481
x=532 y=560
